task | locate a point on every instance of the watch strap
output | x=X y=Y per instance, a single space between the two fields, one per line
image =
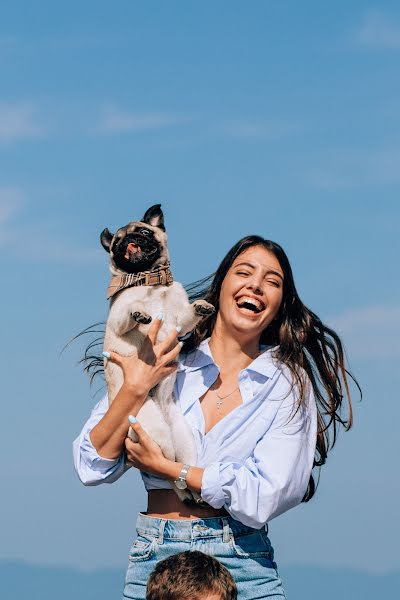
x=183 y=473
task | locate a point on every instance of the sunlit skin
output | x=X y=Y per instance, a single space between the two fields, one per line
x=256 y=275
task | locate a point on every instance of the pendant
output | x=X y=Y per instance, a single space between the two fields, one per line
x=219 y=404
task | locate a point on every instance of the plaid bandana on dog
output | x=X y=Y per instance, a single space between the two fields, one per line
x=159 y=276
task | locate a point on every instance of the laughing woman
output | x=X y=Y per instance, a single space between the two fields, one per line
x=260 y=383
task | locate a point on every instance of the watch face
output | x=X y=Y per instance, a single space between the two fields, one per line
x=180 y=484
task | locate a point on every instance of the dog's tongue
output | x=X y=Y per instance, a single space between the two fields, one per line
x=131 y=248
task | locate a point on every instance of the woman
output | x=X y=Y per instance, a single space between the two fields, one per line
x=249 y=382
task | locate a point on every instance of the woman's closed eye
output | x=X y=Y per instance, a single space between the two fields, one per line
x=271 y=281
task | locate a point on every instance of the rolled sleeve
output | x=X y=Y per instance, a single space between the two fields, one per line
x=91 y=468
x=275 y=478
x=212 y=491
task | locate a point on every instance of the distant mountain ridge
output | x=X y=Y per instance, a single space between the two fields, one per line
x=23 y=580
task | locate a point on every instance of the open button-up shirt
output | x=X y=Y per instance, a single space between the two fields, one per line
x=257 y=460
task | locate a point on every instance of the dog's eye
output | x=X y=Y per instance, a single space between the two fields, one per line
x=145 y=232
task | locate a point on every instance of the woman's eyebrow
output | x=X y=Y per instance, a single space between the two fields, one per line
x=244 y=263
x=270 y=271
x=275 y=273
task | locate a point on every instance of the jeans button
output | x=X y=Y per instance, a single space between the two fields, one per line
x=199 y=527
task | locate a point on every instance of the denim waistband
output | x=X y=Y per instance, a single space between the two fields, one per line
x=189 y=529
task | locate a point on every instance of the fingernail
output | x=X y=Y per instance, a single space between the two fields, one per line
x=160 y=317
x=179 y=328
x=180 y=344
x=132 y=419
x=106 y=354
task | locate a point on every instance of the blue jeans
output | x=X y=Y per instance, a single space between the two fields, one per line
x=245 y=551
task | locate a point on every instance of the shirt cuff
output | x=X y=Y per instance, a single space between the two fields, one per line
x=93 y=460
x=211 y=488
x=93 y=469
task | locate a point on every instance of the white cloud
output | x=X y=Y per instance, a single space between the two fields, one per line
x=114 y=120
x=357 y=169
x=379 y=31
x=19 y=122
x=42 y=247
x=10 y=202
x=258 y=129
x=22 y=44
x=369 y=332
x=47 y=249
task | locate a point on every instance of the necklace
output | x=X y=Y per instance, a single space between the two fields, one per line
x=221 y=398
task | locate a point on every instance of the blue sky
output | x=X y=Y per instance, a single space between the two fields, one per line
x=273 y=118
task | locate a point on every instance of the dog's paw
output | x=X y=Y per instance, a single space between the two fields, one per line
x=203 y=308
x=141 y=317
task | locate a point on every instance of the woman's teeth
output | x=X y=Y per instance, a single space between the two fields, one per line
x=250 y=304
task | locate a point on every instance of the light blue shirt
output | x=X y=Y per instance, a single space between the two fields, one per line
x=257 y=459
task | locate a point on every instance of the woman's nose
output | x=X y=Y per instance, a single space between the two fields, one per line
x=255 y=285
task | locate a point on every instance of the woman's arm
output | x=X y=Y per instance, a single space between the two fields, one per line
x=109 y=434
x=91 y=468
x=146 y=455
x=98 y=451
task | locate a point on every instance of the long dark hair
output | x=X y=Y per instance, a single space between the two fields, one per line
x=303 y=343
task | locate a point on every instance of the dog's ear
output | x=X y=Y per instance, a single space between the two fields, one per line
x=154 y=216
x=105 y=239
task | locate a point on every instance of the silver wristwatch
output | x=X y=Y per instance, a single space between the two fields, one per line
x=181 y=481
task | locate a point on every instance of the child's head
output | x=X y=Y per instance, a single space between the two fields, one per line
x=191 y=575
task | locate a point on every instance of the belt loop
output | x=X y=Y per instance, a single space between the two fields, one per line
x=160 y=538
x=266 y=528
x=226 y=535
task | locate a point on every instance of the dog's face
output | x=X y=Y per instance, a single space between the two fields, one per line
x=139 y=246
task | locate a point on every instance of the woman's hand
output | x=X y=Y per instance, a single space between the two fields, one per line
x=153 y=362
x=145 y=454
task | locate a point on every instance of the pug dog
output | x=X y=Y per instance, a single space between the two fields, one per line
x=142 y=287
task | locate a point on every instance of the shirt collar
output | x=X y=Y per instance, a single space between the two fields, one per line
x=201 y=357
x=197 y=359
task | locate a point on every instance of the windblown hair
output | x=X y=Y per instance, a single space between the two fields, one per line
x=92 y=360
x=303 y=343
x=190 y=574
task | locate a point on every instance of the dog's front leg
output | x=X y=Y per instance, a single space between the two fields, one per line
x=194 y=313
x=126 y=316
